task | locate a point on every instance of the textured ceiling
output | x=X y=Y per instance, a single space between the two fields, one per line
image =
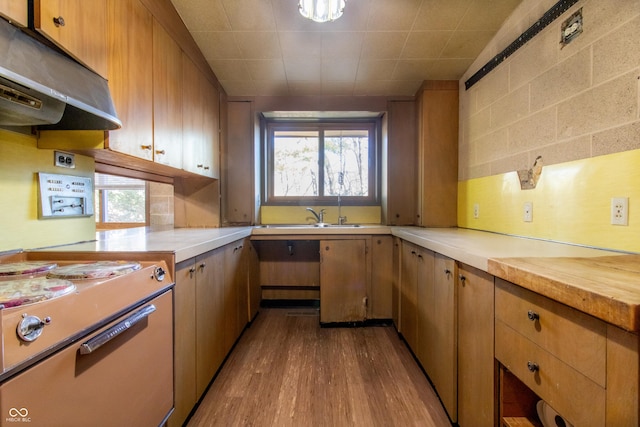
x=377 y=48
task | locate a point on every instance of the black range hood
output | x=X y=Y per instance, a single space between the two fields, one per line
x=44 y=88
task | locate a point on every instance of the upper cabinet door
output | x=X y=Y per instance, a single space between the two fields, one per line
x=15 y=11
x=201 y=123
x=167 y=98
x=211 y=130
x=77 y=26
x=192 y=117
x=130 y=35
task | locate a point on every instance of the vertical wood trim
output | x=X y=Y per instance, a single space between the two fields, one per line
x=623 y=375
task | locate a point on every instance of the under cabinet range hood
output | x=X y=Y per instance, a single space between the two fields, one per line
x=44 y=88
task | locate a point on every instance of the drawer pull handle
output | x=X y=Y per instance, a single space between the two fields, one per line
x=58 y=21
x=104 y=337
x=532 y=366
x=533 y=316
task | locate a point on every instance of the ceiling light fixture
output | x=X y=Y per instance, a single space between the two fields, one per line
x=321 y=10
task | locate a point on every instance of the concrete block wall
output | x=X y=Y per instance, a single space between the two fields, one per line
x=563 y=103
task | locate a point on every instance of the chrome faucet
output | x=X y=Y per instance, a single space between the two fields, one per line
x=341 y=219
x=319 y=215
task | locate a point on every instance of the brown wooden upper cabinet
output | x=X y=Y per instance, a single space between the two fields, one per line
x=437 y=107
x=201 y=110
x=422 y=158
x=14 y=11
x=399 y=197
x=167 y=98
x=130 y=33
x=78 y=27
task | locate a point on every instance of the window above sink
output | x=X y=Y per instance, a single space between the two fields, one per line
x=321 y=161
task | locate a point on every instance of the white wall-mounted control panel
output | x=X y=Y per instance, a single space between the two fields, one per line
x=64 y=196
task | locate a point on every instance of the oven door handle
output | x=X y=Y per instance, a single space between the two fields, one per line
x=104 y=337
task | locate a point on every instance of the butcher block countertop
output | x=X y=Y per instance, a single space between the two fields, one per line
x=606 y=287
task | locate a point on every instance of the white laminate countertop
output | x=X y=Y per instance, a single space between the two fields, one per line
x=475 y=248
x=471 y=247
x=184 y=243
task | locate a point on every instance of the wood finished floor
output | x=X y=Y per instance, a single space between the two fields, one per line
x=287 y=371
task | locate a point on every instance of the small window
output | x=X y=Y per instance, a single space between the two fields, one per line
x=119 y=202
x=319 y=162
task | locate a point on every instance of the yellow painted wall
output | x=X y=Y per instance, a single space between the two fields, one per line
x=571 y=202
x=299 y=214
x=20 y=228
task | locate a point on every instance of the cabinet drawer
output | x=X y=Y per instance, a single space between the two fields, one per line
x=574 y=396
x=575 y=338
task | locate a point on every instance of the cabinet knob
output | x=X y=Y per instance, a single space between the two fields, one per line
x=202 y=266
x=146 y=147
x=462 y=278
x=58 y=21
x=206 y=168
x=447 y=271
x=159 y=151
x=191 y=271
x=532 y=315
x=532 y=366
x=199 y=166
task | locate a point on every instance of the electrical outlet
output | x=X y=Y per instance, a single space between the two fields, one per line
x=476 y=211
x=64 y=160
x=620 y=211
x=528 y=211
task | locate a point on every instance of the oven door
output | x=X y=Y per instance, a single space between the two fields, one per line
x=116 y=379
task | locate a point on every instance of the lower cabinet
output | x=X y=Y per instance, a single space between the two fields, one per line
x=443 y=334
x=210 y=351
x=395 y=284
x=255 y=292
x=343 y=280
x=582 y=367
x=411 y=269
x=476 y=384
x=350 y=275
x=446 y=318
x=184 y=342
x=235 y=292
x=381 y=283
x=210 y=312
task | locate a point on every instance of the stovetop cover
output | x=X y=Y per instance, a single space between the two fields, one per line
x=94 y=270
x=27 y=291
x=9 y=270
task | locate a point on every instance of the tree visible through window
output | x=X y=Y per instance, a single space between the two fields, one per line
x=346 y=162
x=120 y=202
x=319 y=162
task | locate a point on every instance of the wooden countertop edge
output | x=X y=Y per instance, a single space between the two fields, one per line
x=616 y=311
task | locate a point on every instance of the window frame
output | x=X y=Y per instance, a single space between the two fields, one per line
x=270 y=125
x=101 y=196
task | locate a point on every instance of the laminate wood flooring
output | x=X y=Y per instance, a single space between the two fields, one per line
x=287 y=371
